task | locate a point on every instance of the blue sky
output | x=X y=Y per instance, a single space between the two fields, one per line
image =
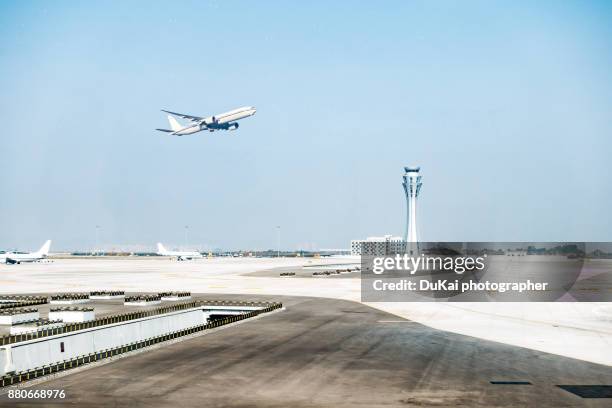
x=506 y=106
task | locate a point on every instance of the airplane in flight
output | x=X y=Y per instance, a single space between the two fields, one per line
x=180 y=255
x=223 y=121
x=19 y=257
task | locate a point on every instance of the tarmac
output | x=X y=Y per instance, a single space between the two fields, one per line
x=579 y=330
x=329 y=353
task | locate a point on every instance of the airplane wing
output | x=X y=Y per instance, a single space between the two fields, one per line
x=180 y=115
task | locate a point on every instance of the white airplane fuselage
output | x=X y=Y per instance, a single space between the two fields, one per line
x=179 y=255
x=223 y=121
x=20 y=257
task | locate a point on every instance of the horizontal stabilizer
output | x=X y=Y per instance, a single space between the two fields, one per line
x=165 y=130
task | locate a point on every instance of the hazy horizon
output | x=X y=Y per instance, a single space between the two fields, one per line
x=504 y=105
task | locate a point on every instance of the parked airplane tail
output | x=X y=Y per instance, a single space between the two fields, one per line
x=174 y=125
x=160 y=248
x=44 y=250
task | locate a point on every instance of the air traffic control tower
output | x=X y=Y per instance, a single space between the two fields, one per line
x=412 y=186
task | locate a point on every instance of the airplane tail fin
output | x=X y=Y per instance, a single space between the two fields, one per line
x=160 y=248
x=44 y=250
x=174 y=125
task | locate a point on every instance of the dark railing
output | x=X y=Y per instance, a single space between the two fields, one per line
x=23 y=302
x=71 y=309
x=20 y=298
x=14 y=312
x=142 y=298
x=69 y=296
x=18 y=377
x=174 y=294
x=107 y=293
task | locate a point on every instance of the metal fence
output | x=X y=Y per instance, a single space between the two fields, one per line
x=18 y=377
x=10 y=339
x=24 y=303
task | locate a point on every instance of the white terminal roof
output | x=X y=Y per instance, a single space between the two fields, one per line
x=384 y=238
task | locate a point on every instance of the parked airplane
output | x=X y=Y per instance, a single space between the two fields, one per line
x=223 y=121
x=180 y=255
x=19 y=257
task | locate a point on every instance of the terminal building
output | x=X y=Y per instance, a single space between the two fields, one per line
x=378 y=246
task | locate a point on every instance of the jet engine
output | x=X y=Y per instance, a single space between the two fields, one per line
x=210 y=120
x=232 y=126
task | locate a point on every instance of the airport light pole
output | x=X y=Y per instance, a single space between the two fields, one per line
x=96 y=249
x=278 y=241
x=186 y=232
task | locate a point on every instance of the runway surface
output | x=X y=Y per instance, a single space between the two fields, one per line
x=329 y=353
